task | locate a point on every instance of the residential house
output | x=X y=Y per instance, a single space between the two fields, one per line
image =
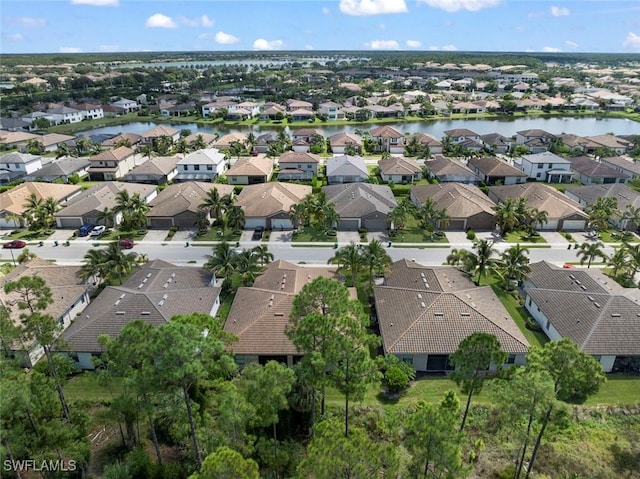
x=207 y=138
x=14 y=124
x=272 y=111
x=340 y=142
x=201 y=165
x=249 y=171
x=127 y=106
x=68 y=294
x=466 y=205
x=35 y=115
x=388 y=139
x=623 y=164
x=602 y=318
x=428 y=141
x=332 y=110
x=86 y=208
x=152 y=136
x=447 y=170
x=264 y=141
x=13 y=201
x=213 y=108
x=111 y=164
x=346 y=169
x=624 y=196
x=155 y=171
x=178 y=204
x=132 y=139
x=460 y=135
x=16 y=139
x=306 y=134
x=297 y=166
x=399 y=170
x=536 y=141
x=225 y=141
x=546 y=166
x=19 y=165
x=574 y=142
x=89 y=111
x=293 y=105
x=496 y=143
x=361 y=205
x=494 y=171
x=154 y=294
x=424 y=313
x=588 y=171
x=51 y=141
x=301 y=114
x=613 y=143
x=268 y=205
x=259 y=315
x=60 y=169
x=563 y=213
x=64 y=114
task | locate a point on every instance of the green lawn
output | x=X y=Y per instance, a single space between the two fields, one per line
x=309 y=235
x=519 y=315
x=416 y=234
x=213 y=235
x=89 y=386
x=522 y=237
x=619 y=389
x=116 y=234
x=612 y=236
x=26 y=234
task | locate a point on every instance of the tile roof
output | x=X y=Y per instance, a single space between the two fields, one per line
x=398 y=166
x=51 y=139
x=585 y=305
x=594 y=169
x=426 y=140
x=622 y=193
x=307 y=132
x=133 y=138
x=386 y=131
x=357 y=200
x=259 y=315
x=268 y=199
x=159 y=131
x=116 y=155
x=443 y=166
x=345 y=139
x=543 y=197
x=460 y=132
x=253 y=166
x=623 y=162
x=459 y=199
x=295 y=157
x=434 y=319
x=17 y=157
x=347 y=165
x=60 y=167
x=208 y=156
x=226 y=140
x=158 y=166
x=181 y=197
x=101 y=196
x=492 y=166
x=535 y=133
x=154 y=293
x=13 y=200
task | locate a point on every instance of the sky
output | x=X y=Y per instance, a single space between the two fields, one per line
x=70 y=26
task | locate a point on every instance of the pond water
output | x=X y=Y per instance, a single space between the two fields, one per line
x=436 y=128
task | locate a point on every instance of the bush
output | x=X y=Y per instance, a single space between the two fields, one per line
x=395 y=380
x=471 y=235
x=401 y=190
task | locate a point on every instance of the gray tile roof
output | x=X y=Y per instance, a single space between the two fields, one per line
x=268 y=199
x=594 y=169
x=356 y=200
x=181 y=197
x=492 y=166
x=443 y=166
x=154 y=293
x=396 y=165
x=157 y=166
x=622 y=193
x=60 y=167
x=540 y=196
x=347 y=165
x=101 y=196
x=459 y=199
x=415 y=319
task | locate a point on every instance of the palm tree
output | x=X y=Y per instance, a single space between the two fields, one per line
x=201 y=221
x=590 y=251
x=35 y=147
x=94 y=266
x=535 y=218
x=49 y=207
x=514 y=264
x=331 y=216
x=375 y=259
x=456 y=256
x=235 y=218
x=441 y=220
x=133 y=209
x=62 y=150
x=601 y=212
x=299 y=214
x=198 y=143
x=349 y=258
x=619 y=263
x=263 y=254
x=247 y=266
x=236 y=149
x=33 y=211
x=117 y=261
x=25 y=256
x=631 y=218
x=479 y=264
x=223 y=261
x=215 y=204
x=82 y=145
x=507 y=215
x=122 y=142
x=633 y=253
x=107 y=216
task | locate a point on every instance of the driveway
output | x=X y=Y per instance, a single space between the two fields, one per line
x=62 y=234
x=281 y=237
x=346 y=237
x=184 y=235
x=156 y=235
x=377 y=235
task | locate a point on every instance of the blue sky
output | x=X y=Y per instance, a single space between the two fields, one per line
x=29 y=26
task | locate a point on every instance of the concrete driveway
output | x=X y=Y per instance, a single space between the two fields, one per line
x=62 y=234
x=346 y=237
x=184 y=235
x=281 y=237
x=156 y=235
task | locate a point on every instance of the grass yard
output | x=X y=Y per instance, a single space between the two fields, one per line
x=91 y=387
x=612 y=236
x=213 y=235
x=310 y=235
x=25 y=234
x=116 y=234
x=619 y=389
x=522 y=237
x=413 y=233
x=519 y=315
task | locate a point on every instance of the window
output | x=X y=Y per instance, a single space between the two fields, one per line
x=548 y=324
x=511 y=359
x=550 y=165
x=196 y=167
x=540 y=165
x=539 y=175
x=209 y=167
x=185 y=167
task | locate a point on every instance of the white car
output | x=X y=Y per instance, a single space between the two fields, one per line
x=98 y=230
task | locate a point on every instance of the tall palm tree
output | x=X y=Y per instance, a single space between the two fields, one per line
x=633 y=253
x=590 y=251
x=62 y=150
x=198 y=143
x=331 y=216
x=514 y=264
x=375 y=259
x=480 y=263
x=349 y=258
x=456 y=256
x=507 y=215
x=235 y=218
x=94 y=266
x=263 y=254
x=117 y=261
x=619 y=262
x=600 y=212
x=223 y=260
x=536 y=218
x=201 y=221
x=215 y=204
x=441 y=220
x=247 y=266
x=107 y=216
x=49 y=206
x=299 y=214
x=631 y=218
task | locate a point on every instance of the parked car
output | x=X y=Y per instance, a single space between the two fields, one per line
x=15 y=244
x=85 y=230
x=257 y=233
x=126 y=243
x=98 y=230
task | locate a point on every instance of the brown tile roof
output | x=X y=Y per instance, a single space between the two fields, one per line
x=609 y=141
x=307 y=132
x=588 y=307
x=415 y=319
x=295 y=157
x=459 y=199
x=442 y=165
x=268 y=199
x=345 y=139
x=13 y=200
x=398 y=166
x=54 y=138
x=543 y=197
x=159 y=131
x=426 y=139
x=226 y=140
x=623 y=162
x=181 y=197
x=259 y=315
x=254 y=166
x=492 y=166
x=159 y=166
x=134 y=138
x=386 y=131
x=154 y=293
x=460 y=132
x=116 y=155
x=357 y=200
x=594 y=169
x=101 y=196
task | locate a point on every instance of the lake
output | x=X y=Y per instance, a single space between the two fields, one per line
x=436 y=128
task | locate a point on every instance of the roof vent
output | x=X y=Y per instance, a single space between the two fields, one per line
x=149 y=275
x=145 y=313
x=615 y=315
x=278 y=314
x=438 y=314
x=165 y=296
x=140 y=286
x=465 y=314
x=161 y=302
x=422 y=304
x=120 y=313
x=116 y=303
x=173 y=275
x=122 y=295
x=578 y=282
x=597 y=305
x=165 y=285
x=583 y=287
x=572 y=276
x=419 y=296
x=590 y=298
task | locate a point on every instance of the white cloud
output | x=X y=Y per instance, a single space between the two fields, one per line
x=382 y=45
x=456 y=5
x=28 y=21
x=571 y=44
x=159 y=20
x=97 y=3
x=550 y=50
x=203 y=21
x=109 y=48
x=262 y=44
x=363 y=8
x=70 y=50
x=308 y=47
x=226 y=38
x=414 y=43
x=14 y=37
x=325 y=11
x=632 y=41
x=444 y=48
x=559 y=11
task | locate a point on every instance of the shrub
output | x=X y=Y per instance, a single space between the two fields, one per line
x=395 y=380
x=471 y=235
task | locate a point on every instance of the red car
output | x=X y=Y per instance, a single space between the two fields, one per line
x=15 y=244
x=126 y=243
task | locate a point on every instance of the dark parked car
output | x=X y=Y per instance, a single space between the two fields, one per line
x=85 y=230
x=15 y=244
x=126 y=243
x=257 y=233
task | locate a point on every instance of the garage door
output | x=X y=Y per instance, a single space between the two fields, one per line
x=252 y=223
x=161 y=223
x=348 y=225
x=375 y=225
x=281 y=224
x=573 y=225
x=456 y=225
x=69 y=222
x=552 y=225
